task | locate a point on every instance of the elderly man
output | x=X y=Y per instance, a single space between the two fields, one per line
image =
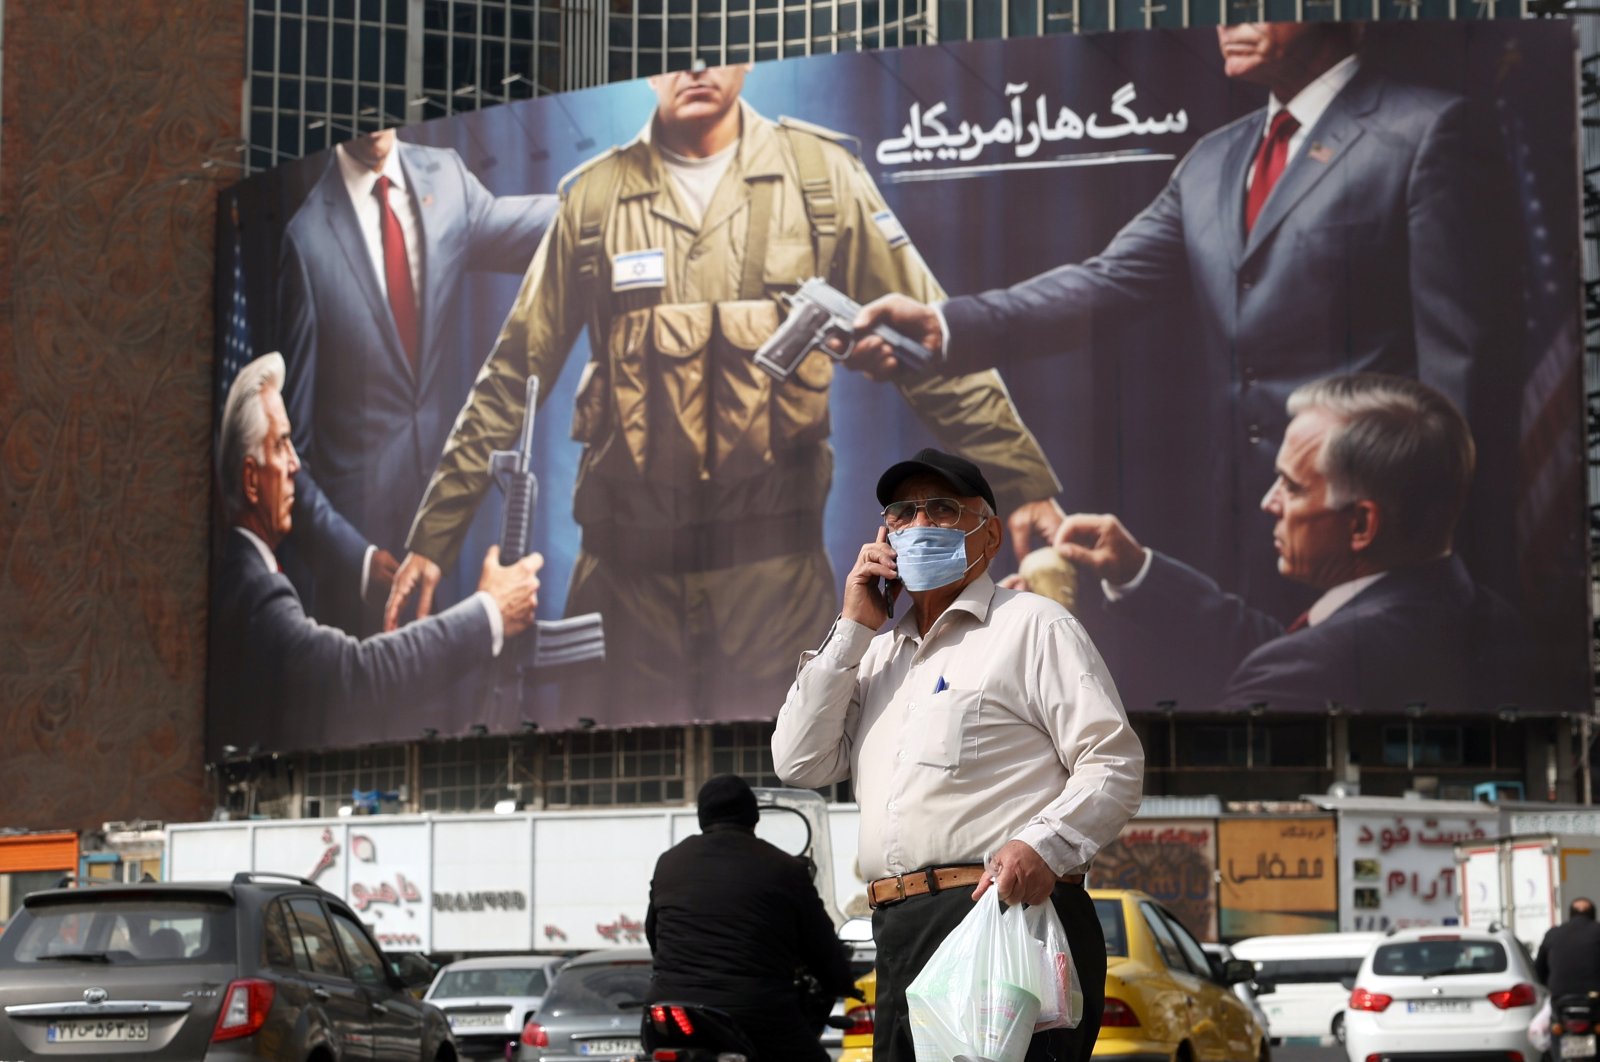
x=280 y=679
x=1353 y=224
x=1371 y=477
x=703 y=482
x=983 y=734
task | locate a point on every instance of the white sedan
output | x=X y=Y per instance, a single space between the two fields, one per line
x=1443 y=993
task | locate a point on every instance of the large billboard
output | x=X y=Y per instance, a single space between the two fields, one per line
x=1193 y=261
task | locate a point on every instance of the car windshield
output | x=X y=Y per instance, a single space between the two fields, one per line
x=512 y=981
x=1439 y=958
x=159 y=929
x=1110 y=912
x=1315 y=971
x=599 y=988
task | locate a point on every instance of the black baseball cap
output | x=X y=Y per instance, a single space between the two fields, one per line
x=960 y=473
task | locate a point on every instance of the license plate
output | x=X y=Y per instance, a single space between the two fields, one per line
x=102 y=1031
x=1439 y=1006
x=476 y=1021
x=1577 y=1046
x=609 y=1047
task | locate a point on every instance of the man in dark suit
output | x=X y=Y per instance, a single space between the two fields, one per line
x=1371 y=477
x=279 y=679
x=369 y=287
x=1569 y=955
x=730 y=922
x=1354 y=224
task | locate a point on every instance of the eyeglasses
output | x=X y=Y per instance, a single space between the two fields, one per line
x=942 y=512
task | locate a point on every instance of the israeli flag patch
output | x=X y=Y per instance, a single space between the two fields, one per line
x=890 y=227
x=639 y=269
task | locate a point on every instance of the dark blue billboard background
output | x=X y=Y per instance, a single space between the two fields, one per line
x=1003 y=160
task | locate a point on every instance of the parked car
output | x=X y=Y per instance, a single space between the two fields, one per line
x=488 y=1001
x=1150 y=975
x=261 y=967
x=1245 y=990
x=593 y=1009
x=856 y=1045
x=1303 y=980
x=1165 y=998
x=1462 y=994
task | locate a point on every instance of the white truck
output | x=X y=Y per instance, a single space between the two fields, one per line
x=1525 y=882
x=472 y=883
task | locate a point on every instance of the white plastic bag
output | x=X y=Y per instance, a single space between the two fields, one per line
x=977 y=999
x=1061 y=1002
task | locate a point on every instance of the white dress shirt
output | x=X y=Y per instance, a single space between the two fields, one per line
x=497 y=627
x=359 y=182
x=1002 y=723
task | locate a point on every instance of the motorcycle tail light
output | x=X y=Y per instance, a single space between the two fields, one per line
x=1578 y=1026
x=862 y=1017
x=244 y=1009
x=533 y=1035
x=1118 y=1015
x=680 y=1018
x=1518 y=995
x=1377 y=1002
x=665 y=1054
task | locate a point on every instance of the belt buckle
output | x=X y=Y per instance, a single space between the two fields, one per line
x=899 y=888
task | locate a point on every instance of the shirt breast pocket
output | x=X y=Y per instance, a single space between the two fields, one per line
x=942 y=722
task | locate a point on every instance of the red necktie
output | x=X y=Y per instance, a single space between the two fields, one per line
x=1271 y=158
x=397 y=272
x=1301 y=622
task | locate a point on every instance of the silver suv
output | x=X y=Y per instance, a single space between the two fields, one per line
x=251 y=969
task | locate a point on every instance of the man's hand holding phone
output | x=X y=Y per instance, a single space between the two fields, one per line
x=871 y=586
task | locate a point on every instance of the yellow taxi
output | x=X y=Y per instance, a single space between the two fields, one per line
x=857 y=1043
x=1166 y=1001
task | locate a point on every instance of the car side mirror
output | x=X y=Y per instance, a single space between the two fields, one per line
x=1237 y=971
x=410 y=970
x=1263 y=987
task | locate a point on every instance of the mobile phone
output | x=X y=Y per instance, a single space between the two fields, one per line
x=890 y=589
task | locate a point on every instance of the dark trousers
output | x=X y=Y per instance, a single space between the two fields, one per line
x=908 y=932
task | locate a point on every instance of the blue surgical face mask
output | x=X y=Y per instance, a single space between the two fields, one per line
x=931 y=557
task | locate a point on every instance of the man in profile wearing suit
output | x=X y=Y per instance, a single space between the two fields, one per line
x=1371 y=477
x=282 y=680
x=1353 y=224
x=369 y=288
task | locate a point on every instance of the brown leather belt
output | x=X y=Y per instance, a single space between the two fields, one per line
x=885 y=891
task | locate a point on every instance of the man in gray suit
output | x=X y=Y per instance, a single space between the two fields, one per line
x=369 y=286
x=280 y=680
x=1351 y=225
x=1371 y=476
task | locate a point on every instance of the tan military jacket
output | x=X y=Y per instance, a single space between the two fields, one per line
x=679 y=425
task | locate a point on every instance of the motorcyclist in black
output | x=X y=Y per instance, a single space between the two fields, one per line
x=732 y=919
x=1568 y=962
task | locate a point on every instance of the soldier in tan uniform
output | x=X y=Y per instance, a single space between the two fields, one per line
x=703 y=481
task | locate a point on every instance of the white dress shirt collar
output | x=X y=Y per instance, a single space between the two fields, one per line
x=1311 y=102
x=358 y=179
x=269 y=558
x=974 y=599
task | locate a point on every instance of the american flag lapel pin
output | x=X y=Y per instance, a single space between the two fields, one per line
x=1320 y=152
x=427 y=200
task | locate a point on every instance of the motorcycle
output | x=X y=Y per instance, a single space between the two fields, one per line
x=675 y=1031
x=1572 y=1026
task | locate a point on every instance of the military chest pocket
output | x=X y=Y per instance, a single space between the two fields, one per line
x=942 y=722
